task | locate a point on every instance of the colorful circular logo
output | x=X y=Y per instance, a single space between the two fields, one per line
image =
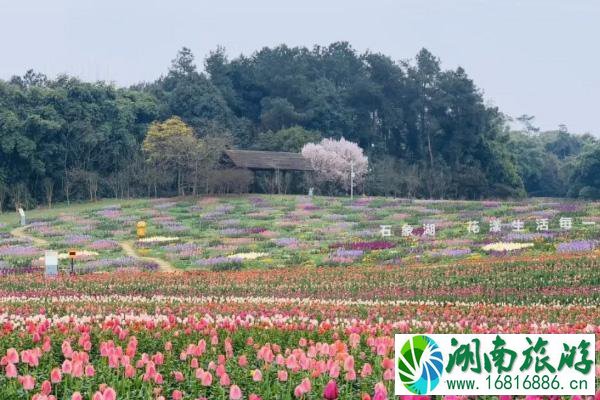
x=420 y=364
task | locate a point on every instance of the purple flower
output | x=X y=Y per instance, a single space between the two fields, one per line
x=114 y=263
x=576 y=246
x=377 y=245
x=19 y=251
x=255 y=230
x=104 y=244
x=218 y=260
x=232 y=231
x=77 y=239
x=526 y=237
x=286 y=242
x=450 y=252
x=568 y=207
x=110 y=213
x=183 y=250
x=343 y=253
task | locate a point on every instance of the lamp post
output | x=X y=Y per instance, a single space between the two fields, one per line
x=351 y=180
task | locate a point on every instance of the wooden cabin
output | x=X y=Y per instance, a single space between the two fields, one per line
x=274 y=163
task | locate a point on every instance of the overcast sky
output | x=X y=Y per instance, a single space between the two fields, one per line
x=539 y=57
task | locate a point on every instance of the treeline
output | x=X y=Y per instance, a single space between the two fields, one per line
x=427 y=131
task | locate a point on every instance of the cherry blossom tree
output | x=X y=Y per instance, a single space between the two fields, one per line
x=332 y=160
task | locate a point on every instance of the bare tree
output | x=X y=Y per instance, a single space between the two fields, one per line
x=48 y=185
x=3 y=194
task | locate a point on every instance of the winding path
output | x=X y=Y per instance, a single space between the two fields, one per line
x=20 y=233
x=127 y=247
x=163 y=266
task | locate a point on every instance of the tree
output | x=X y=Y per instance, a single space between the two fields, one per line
x=3 y=192
x=289 y=139
x=334 y=159
x=585 y=180
x=527 y=121
x=48 y=185
x=172 y=145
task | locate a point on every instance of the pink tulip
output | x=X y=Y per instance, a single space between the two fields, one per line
x=225 y=381
x=129 y=371
x=67 y=367
x=235 y=393
x=303 y=388
x=242 y=361
x=46 y=387
x=109 y=394
x=177 y=395
x=257 y=375
x=76 y=396
x=12 y=356
x=178 y=375
x=206 y=379
x=27 y=381
x=89 y=370
x=11 y=371
x=388 y=375
x=282 y=375
x=77 y=369
x=55 y=375
x=366 y=371
x=331 y=391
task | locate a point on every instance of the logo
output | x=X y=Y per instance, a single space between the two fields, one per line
x=420 y=364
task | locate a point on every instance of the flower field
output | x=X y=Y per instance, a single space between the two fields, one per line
x=279 y=297
x=290 y=231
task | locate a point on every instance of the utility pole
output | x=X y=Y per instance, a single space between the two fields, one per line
x=351 y=180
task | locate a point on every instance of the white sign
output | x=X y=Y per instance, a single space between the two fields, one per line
x=495 y=364
x=21 y=213
x=51 y=262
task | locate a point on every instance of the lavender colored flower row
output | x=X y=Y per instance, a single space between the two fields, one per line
x=104 y=244
x=286 y=242
x=576 y=246
x=376 y=245
x=343 y=253
x=19 y=251
x=77 y=239
x=218 y=260
x=450 y=252
x=110 y=263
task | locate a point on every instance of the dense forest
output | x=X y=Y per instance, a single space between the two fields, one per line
x=427 y=131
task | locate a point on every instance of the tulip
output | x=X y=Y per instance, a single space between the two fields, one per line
x=177 y=395
x=109 y=394
x=257 y=375
x=331 y=390
x=46 y=387
x=27 y=381
x=55 y=375
x=282 y=375
x=11 y=371
x=235 y=393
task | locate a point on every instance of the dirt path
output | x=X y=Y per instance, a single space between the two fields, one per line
x=163 y=266
x=127 y=247
x=20 y=233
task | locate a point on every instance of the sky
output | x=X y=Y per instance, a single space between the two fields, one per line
x=536 y=57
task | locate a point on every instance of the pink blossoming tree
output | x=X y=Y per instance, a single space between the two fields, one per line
x=332 y=161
